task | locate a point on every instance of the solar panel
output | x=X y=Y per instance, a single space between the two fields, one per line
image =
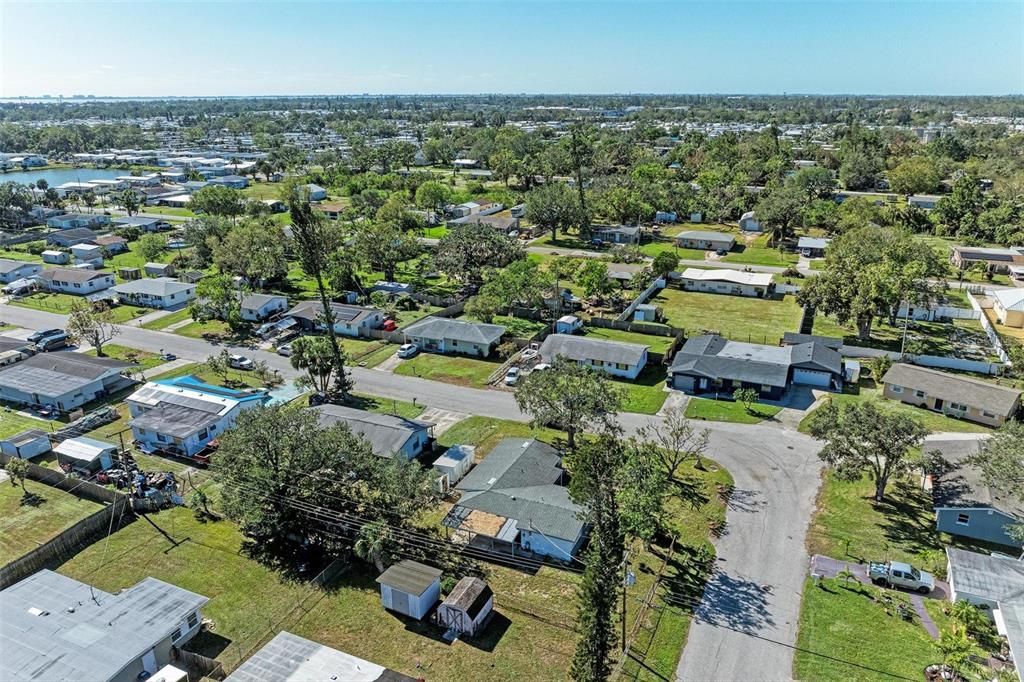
x=345 y=313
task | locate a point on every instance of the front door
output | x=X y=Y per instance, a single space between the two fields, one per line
x=149 y=661
x=938 y=404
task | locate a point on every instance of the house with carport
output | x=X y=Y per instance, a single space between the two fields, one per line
x=445 y=335
x=260 y=307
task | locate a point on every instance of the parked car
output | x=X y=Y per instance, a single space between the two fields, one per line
x=38 y=336
x=597 y=243
x=285 y=349
x=240 y=362
x=899 y=574
x=512 y=376
x=722 y=252
x=407 y=350
x=541 y=366
x=167 y=357
x=52 y=342
x=389 y=325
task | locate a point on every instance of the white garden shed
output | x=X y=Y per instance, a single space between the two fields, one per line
x=410 y=588
x=455 y=462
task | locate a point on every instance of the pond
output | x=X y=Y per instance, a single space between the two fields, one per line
x=58 y=176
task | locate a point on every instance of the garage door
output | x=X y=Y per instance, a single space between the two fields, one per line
x=806 y=376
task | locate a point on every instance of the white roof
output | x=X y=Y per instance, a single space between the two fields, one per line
x=1010 y=299
x=759 y=279
x=159 y=286
x=84 y=449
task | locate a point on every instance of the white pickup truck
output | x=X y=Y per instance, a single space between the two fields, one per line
x=899 y=574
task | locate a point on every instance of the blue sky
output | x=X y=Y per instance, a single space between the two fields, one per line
x=265 y=48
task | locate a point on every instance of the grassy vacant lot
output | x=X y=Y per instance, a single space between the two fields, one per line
x=923 y=338
x=451 y=369
x=133 y=259
x=61 y=304
x=740 y=318
x=20 y=255
x=849 y=524
x=934 y=421
x=29 y=522
x=852 y=632
x=728 y=411
x=144 y=359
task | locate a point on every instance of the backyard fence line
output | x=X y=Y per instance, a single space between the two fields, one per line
x=637 y=327
x=938 y=361
x=657 y=285
x=990 y=330
x=203 y=665
x=69 y=484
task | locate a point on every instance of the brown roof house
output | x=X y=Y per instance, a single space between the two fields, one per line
x=953 y=396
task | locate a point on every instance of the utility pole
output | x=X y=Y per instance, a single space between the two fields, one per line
x=628 y=580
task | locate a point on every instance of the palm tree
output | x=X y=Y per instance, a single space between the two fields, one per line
x=373 y=543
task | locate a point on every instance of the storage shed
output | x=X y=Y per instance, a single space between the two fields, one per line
x=410 y=588
x=645 y=312
x=26 y=445
x=86 y=453
x=159 y=269
x=567 y=324
x=467 y=608
x=455 y=462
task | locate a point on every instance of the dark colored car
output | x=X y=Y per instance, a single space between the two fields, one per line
x=38 y=336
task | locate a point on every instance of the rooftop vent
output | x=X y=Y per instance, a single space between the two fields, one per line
x=38 y=612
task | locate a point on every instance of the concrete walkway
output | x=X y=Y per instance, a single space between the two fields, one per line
x=389 y=364
x=148 y=317
x=442 y=419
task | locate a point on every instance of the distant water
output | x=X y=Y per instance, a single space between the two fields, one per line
x=59 y=176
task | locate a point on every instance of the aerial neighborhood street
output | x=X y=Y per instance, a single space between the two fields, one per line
x=596 y=387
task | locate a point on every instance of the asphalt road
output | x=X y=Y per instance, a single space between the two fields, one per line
x=746 y=625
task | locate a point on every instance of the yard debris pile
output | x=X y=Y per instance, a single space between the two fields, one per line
x=89 y=422
x=160 y=486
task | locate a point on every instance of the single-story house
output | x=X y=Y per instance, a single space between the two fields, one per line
x=1008 y=305
x=184 y=414
x=964 y=504
x=143 y=223
x=952 y=395
x=349 y=320
x=290 y=658
x=112 y=243
x=519 y=488
x=331 y=209
x=812 y=247
x=57 y=628
x=712 y=364
x=78 y=281
x=444 y=335
x=705 y=240
x=26 y=444
x=996 y=584
x=162 y=292
x=925 y=201
x=14 y=350
x=611 y=357
x=410 y=588
x=70 y=220
x=193 y=186
x=154 y=195
x=55 y=257
x=997 y=260
x=503 y=224
x=86 y=454
x=259 y=307
x=159 y=269
x=88 y=254
x=63 y=380
x=275 y=205
x=70 y=237
x=315 y=192
x=467 y=607
x=733 y=282
x=387 y=434
x=749 y=222
x=11 y=270
x=620 y=234
x=232 y=181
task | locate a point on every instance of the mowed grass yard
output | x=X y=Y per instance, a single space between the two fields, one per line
x=30 y=522
x=451 y=369
x=708 y=409
x=144 y=359
x=12 y=423
x=740 y=318
x=61 y=304
x=958 y=337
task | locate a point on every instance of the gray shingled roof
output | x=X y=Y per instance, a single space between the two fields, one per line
x=520 y=479
x=84 y=634
x=54 y=374
x=706 y=235
x=73 y=274
x=410 y=577
x=386 y=433
x=972 y=392
x=314 y=311
x=469 y=595
x=580 y=348
x=289 y=657
x=9 y=343
x=257 y=301
x=444 y=328
x=8 y=266
x=963 y=486
x=986 y=576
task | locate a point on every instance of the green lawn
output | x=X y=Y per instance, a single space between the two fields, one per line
x=729 y=411
x=435 y=232
x=514 y=326
x=168 y=320
x=658 y=344
x=933 y=421
x=852 y=632
x=236 y=377
x=372 y=403
x=646 y=394
x=29 y=522
x=923 y=338
x=12 y=423
x=740 y=318
x=144 y=359
x=485 y=432
x=451 y=369
x=757 y=252
x=132 y=259
x=61 y=304
x=20 y=255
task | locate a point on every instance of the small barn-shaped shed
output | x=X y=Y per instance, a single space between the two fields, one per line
x=410 y=588
x=467 y=608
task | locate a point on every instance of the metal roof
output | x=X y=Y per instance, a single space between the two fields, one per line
x=158 y=286
x=444 y=328
x=84 y=449
x=410 y=577
x=387 y=434
x=978 y=394
x=812 y=243
x=755 y=279
x=290 y=658
x=56 y=374
x=707 y=236
x=25 y=437
x=57 y=628
x=1010 y=299
x=580 y=348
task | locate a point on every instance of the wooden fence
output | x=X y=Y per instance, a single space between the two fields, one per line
x=638 y=327
x=70 y=484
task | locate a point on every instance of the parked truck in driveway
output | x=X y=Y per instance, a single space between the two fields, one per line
x=900 y=574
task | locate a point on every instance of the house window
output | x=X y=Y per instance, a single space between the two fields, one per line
x=176 y=635
x=455 y=342
x=161 y=437
x=963 y=519
x=204 y=434
x=988 y=414
x=621 y=365
x=958 y=407
x=77 y=285
x=193 y=619
x=919 y=393
x=142 y=432
x=895 y=389
x=766 y=388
